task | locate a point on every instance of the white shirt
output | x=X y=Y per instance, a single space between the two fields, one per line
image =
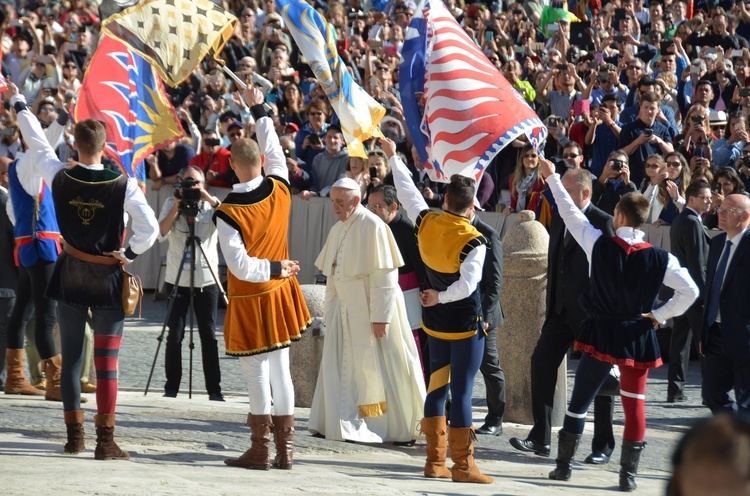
x=676 y=277
x=30 y=180
x=43 y=162
x=242 y=265
x=411 y=198
x=177 y=236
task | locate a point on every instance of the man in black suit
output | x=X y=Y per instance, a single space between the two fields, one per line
x=490 y=287
x=726 y=334
x=567 y=279
x=9 y=274
x=689 y=243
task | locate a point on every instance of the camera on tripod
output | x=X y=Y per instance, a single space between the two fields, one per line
x=189 y=195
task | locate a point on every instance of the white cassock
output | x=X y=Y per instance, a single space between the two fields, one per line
x=369 y=390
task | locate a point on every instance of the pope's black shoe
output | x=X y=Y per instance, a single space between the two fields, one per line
x=493 y=430
x=529 y=446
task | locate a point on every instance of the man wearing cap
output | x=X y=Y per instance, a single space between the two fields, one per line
x=370 y=387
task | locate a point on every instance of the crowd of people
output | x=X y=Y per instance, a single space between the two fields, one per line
x=647 y=110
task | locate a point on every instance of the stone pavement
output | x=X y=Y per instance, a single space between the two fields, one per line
x=178 y=445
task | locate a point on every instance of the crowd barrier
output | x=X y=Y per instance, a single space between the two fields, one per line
x=308 y=229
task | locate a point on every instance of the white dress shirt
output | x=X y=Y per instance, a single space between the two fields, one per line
x=44 y=162
x=242 y=265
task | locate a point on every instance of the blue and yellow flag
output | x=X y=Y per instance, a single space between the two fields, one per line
x=122 y=90
x=174 y=35
x=358 y=112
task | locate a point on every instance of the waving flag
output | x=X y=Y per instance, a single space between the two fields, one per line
x=174 y=35
x=459 y=108
x=358 y=112
x=122 y=90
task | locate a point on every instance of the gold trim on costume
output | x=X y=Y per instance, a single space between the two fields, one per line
x=448 y=336
x=374 y=410
x=439 y=378
x=105 y=181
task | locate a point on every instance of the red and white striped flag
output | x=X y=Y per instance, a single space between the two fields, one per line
x=459 y=108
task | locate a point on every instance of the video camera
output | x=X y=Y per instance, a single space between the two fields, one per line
x=185 y=190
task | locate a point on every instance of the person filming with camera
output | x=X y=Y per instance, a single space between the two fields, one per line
x=191 y=203
x=613 y=183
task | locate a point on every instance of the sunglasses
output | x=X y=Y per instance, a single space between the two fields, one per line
x=674 y=163
x=571 y=155
x=384 y=68
x=315 y=113
x=651 y=166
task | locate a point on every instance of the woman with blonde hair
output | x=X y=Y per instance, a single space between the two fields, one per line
x=526 y=187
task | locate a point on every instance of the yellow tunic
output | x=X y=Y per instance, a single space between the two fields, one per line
x=265 y=316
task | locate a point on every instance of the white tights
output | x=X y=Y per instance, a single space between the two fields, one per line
x=266 y=372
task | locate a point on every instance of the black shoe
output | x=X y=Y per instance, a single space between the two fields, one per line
x=677 y=398
x=493 y=430
x=529 y=446
x=405 y=444
x=215 y=397
x=597 y=458
x=170 y=394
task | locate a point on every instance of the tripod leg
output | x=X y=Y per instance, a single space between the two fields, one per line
x=214 y=275
x=172 y=297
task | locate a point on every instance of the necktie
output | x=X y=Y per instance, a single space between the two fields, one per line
x=712 y=309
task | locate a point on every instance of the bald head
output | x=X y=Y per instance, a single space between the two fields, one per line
x=734 y=214
x=246 y=159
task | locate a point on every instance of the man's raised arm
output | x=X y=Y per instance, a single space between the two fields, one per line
x=577 y=223
x=43 y=158
x=408 y=193
x=274 y=163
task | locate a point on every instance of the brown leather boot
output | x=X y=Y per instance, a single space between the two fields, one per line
x=106 y=448
x=434 y=429
x=461 y=441
x=283 y=437
x=15 y=382
x=53 y=369
x=260 y=434
x=74 y=425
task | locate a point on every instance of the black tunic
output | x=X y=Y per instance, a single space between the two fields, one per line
x=625 y=281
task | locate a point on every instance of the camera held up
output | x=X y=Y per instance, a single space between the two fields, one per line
x=187 y=191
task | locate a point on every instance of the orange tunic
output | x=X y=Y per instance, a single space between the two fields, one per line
x=265 y=316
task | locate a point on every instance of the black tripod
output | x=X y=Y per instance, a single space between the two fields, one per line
x=189 y=250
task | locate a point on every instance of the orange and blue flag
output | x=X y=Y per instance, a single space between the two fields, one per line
x=125 y=92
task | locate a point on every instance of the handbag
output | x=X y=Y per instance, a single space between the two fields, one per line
x=132 y=289
x=132 y=293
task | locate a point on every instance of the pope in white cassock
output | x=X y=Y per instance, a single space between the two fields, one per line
x=370 y=386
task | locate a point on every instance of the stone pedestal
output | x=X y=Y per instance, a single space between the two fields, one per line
x=523 y=300
x=306 y=354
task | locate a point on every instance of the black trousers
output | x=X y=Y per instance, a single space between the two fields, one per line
x=6 y=307
x=556 y=338
x=494 y=380
x=205 y=304
x=721 y=374
x=32 y=283
x=679 y=347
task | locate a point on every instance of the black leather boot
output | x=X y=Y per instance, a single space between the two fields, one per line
x=631 y=455
x=567 y=446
